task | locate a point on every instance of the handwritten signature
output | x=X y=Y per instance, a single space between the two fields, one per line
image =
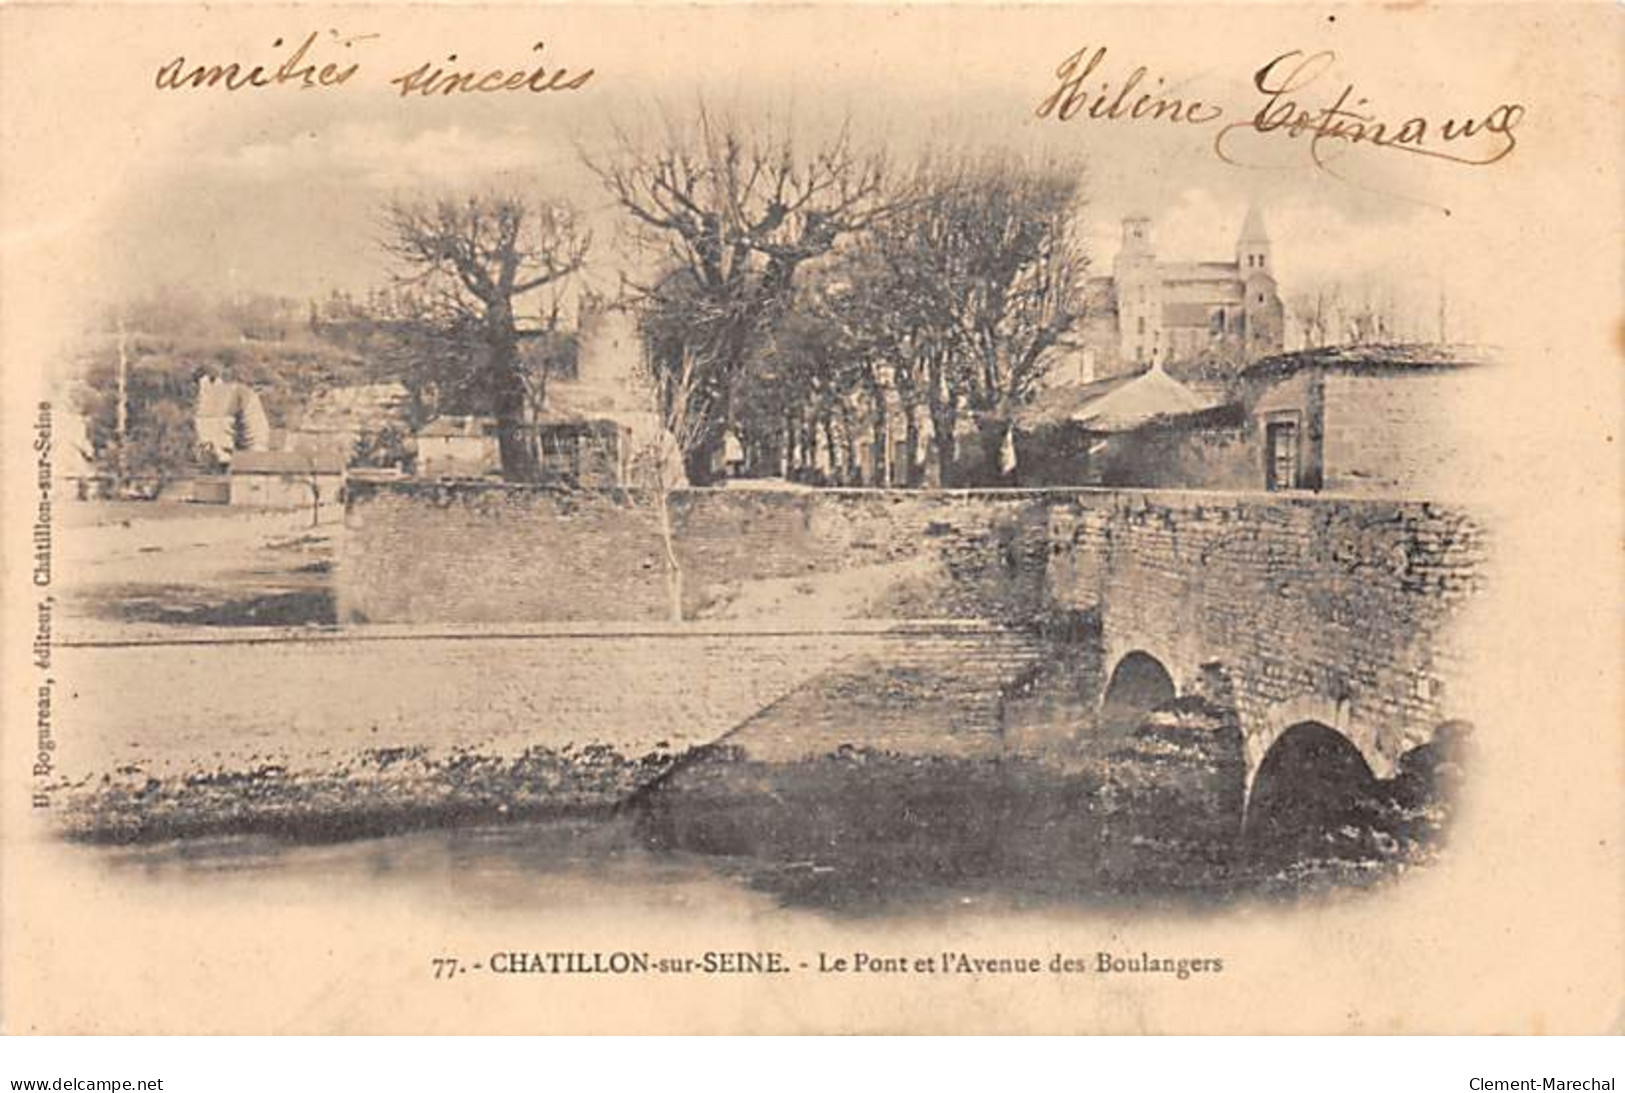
x=1345 y=121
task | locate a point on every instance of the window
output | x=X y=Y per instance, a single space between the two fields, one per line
x=1281 y=455
x=1142 y=324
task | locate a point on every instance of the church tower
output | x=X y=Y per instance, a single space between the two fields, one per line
x=1265 y=318
x=1253 y=246
x=1139 y=294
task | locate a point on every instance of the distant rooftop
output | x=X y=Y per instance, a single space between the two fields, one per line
x=1399 y=357
x=1197 y=271
x=288 y=463
x=460 y=425
x=474 y=426
x=1118 y=404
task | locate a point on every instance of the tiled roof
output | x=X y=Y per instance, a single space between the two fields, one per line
x=1117 y=404
x=1198 y=271
x=288 y=463
x=455 y=425
x=1252 y=229
x=1410 y=357
x=1057 y=404
x=1148 y=396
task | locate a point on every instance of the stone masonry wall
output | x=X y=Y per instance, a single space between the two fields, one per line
x=1335 y=610
x=481 y=552
x=1395 y=435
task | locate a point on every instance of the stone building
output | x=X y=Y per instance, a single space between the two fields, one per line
x=1192 y=317
x=570 y=448
x=1372 y=421
x=610 y=390
x=458 y=446
x=230 y=417
x=286 y=479
x=1377 y=420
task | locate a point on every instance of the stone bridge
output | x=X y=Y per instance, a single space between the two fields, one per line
x=1331 y=624
x=1306 y=613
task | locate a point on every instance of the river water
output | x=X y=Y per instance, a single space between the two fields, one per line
x=860 y=833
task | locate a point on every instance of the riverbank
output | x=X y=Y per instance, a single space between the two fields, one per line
x=379 y=791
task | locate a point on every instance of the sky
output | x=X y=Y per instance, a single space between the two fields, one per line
x=284 y=194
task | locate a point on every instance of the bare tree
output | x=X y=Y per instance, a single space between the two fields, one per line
x=987 y=275
x=678 y=399
x=1020 y=287
x=1315 y=313
x=732 y=216
x=475 y=258
x=827 y=367
x=877 y=352
x=1370 y=319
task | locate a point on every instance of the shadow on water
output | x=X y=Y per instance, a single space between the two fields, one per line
x=1150 y=817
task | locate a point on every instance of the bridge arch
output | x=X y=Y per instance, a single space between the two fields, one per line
x=1311 y=782
x=1261 y=732
x=1138 y=684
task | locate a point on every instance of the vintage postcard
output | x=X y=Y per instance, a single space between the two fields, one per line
x=811 y=519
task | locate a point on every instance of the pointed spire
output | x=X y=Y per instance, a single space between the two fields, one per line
x=1252 y=229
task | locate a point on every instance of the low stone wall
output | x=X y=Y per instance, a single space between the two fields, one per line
x=1293 y=606
x=482 y=552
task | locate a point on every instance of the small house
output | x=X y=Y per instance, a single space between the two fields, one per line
x=287 y=479
x=1381 y=420
x=570 y=448
x=583 y=451
x=1096 y=433
x=230 y=417
x=458 y=446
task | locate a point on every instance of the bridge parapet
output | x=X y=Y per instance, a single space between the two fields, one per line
x=1337 y=610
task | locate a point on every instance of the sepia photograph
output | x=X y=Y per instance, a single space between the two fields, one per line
x=811 y=519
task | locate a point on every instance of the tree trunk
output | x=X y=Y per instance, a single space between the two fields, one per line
x=944 y=419
x=121 y=420
x=911 y=447
x=674 y=569
x=993 y=430
x=943 y=423
x=851 y=472
x=809 y=444
x=515 y=444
